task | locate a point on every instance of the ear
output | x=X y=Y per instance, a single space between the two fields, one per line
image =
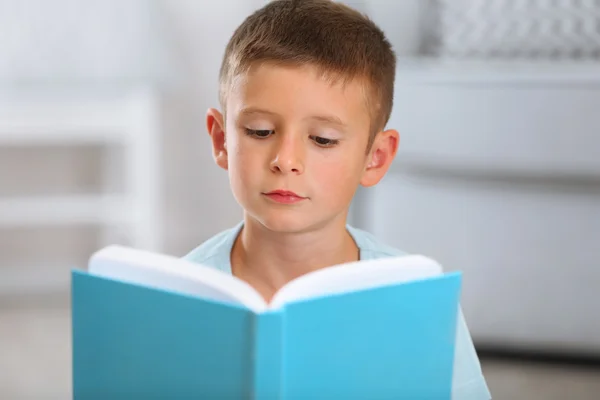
x=216 y=129
x=380 y=157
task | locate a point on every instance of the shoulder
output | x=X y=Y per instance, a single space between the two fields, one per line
x=215 y=250
x=371 y=247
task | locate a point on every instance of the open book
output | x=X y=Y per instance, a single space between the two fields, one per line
x=148 y=325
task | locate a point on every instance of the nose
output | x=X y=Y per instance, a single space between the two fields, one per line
x=288 y=155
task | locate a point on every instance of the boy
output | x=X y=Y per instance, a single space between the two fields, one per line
x=306 y=89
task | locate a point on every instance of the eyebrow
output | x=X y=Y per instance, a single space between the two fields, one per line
x=255 y=110
x=328 y=119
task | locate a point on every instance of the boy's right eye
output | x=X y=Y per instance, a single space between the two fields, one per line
x=259 y=133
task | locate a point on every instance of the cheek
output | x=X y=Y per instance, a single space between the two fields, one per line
x=245 y=162
x=337 y=179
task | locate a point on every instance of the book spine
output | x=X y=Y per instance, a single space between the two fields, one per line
x=267 y=358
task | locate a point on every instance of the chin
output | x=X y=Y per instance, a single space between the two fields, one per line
x=284 y=222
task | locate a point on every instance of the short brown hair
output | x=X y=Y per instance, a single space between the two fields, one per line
x=338 y=40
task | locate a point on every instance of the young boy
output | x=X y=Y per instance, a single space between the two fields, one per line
x=306 y=92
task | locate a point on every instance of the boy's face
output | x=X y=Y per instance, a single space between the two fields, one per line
x=295 y=146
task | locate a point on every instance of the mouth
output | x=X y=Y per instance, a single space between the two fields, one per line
x=284 y=196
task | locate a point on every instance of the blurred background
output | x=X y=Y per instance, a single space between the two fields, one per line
x=102 y=140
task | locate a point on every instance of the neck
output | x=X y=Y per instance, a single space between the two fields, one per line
x=268 y=260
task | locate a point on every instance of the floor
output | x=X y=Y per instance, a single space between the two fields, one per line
x=35 y=361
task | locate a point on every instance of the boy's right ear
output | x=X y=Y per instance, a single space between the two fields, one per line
x=216 y=129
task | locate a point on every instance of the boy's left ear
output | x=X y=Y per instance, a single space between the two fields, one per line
x=380 y=157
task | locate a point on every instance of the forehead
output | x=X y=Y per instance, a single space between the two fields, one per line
x=293 y=90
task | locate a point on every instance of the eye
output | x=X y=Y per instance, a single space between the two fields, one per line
x=259 y=133
x=324 y=142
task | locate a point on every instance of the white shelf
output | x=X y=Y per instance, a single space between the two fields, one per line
x=59 y=120
x=128 y=117
x=501 y=183
x=65 y=210
x=442 y=71
x=59 y=135
x=28 y=280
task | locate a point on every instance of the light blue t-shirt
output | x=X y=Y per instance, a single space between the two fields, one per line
x=468 y=382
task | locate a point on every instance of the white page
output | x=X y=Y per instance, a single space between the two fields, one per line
x=170 y=273
x=356 y=276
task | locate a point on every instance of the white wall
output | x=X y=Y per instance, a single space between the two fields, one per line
x=400 y=20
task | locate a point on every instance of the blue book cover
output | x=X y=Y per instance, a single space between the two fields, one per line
x=149 y=326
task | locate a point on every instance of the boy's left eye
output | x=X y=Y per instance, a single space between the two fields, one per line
x=324 y=142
